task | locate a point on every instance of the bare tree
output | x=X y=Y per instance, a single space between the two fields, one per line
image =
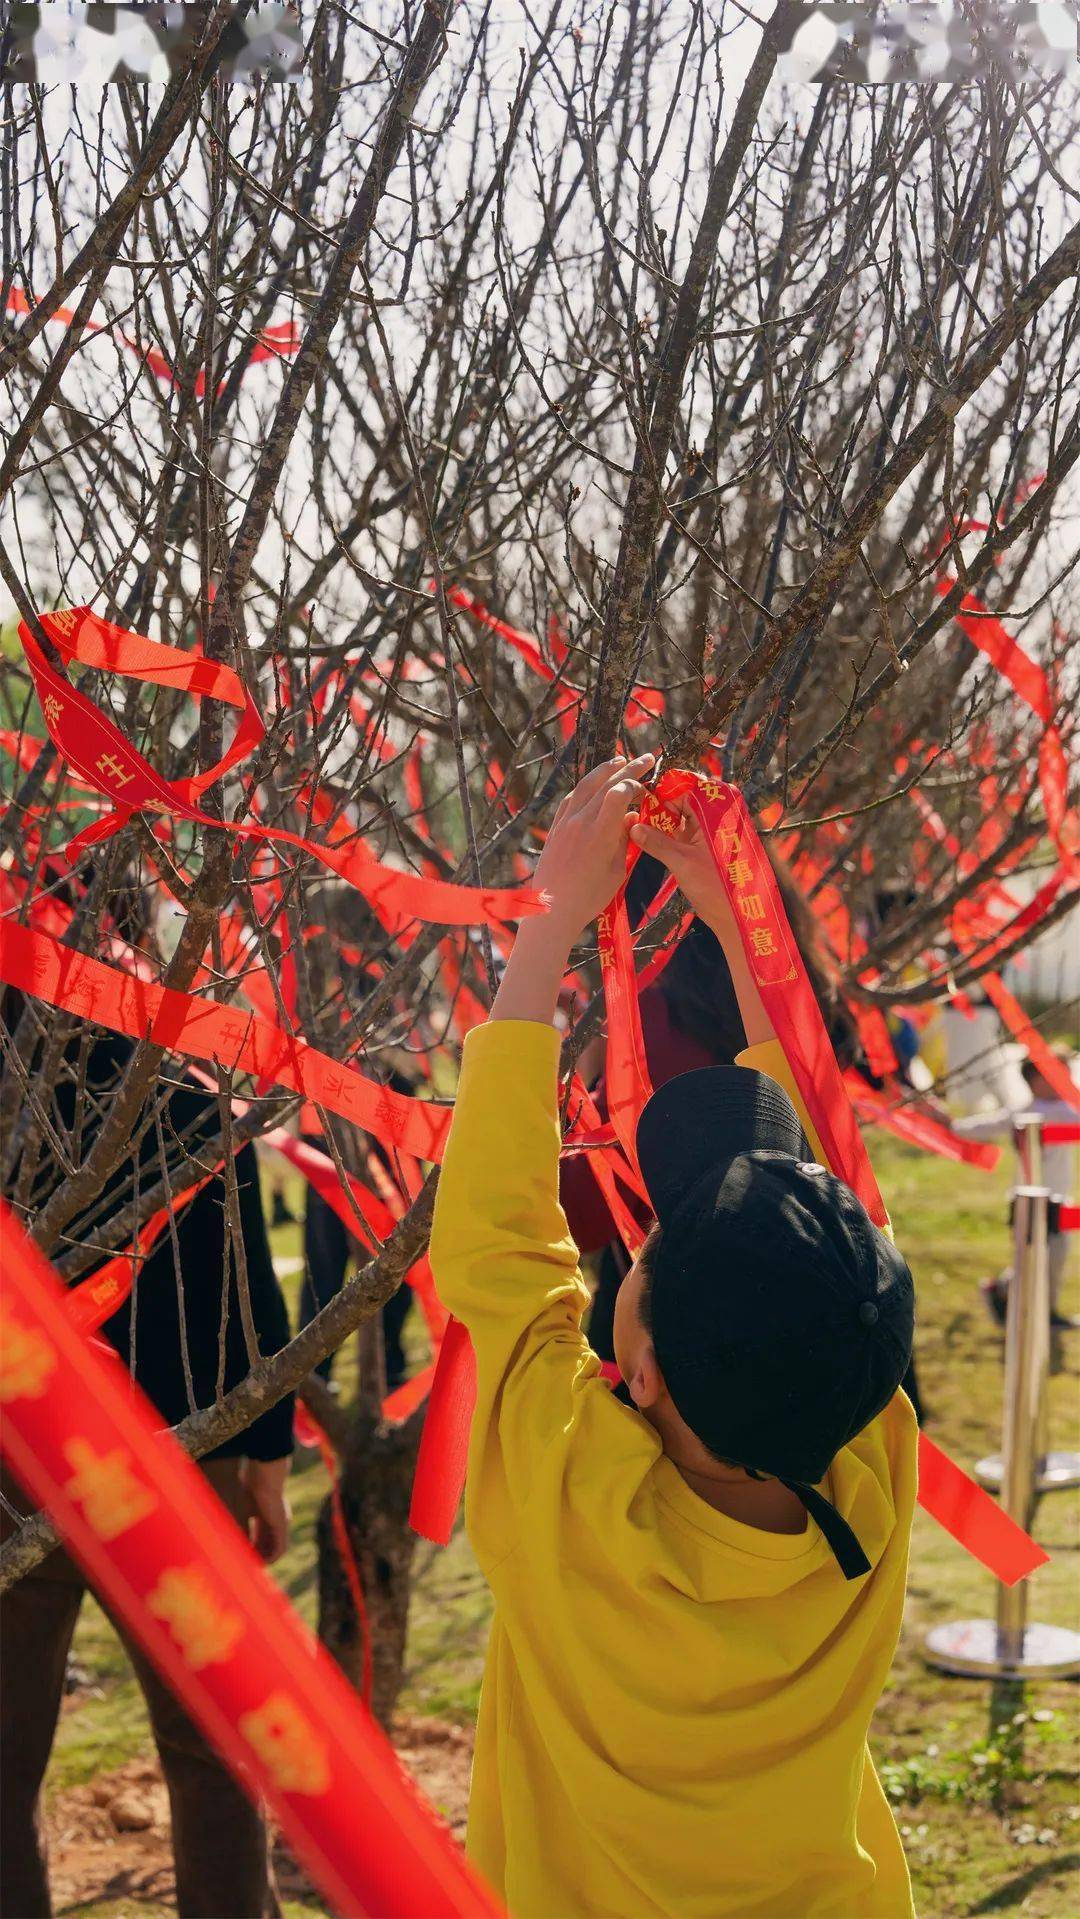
x=698 y=381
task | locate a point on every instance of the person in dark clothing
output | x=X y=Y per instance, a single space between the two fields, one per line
x=328 y=1249
x=178 y=1334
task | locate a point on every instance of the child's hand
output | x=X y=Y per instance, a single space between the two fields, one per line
x=583 y=863
x=687 y=855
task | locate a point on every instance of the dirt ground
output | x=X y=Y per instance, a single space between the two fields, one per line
x=108 y=1840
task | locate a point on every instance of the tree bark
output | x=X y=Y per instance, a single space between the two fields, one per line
x=375 y=1490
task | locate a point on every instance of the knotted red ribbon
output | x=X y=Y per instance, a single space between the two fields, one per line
x=94 y=745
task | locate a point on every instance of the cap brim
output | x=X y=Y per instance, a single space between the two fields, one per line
x=700 y=1120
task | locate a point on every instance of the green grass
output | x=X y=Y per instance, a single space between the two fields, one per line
x=991 y=1819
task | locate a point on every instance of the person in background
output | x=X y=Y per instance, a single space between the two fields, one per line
x=330 y=1248
x=173 y=1335
x=1058 y=1162
x=281 y=1213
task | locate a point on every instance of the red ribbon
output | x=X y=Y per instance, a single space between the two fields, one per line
x=606 y=1161
x=1038 y=1051
x=780 y=977
x=626 y=1071
x=156 y=1543
x=96 y=1299
x=1027 y=679
x=201 y=1029
x=441 y=1463
x=95 y=746
x=968 y=931
x=887 y=1109
x=274 y=342
x=321 y=1173
x=974 y=1520
x=644 y=703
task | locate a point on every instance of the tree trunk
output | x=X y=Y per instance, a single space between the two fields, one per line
x=376 y=1486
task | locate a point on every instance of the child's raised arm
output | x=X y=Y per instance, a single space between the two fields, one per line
x=687 y=856
x=501 y=1252
x=581 y=868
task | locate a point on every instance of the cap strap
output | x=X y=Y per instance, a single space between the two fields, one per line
x=846 y=1549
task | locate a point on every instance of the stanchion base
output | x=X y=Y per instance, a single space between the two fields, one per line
x=1053 y=1473
x=972 y=1647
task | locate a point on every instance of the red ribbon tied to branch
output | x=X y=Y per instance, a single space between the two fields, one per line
x=101 y=754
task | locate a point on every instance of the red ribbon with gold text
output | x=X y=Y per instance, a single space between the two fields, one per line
x=155 y=1542
x=100 y=753
x=964 y=1508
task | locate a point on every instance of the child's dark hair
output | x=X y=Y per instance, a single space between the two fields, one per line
x=646 y=1262
x=697 y=985
x=695 y=982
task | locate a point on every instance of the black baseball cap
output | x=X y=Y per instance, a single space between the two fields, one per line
x=781 y=1316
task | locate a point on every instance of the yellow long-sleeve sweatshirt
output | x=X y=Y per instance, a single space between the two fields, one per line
x=675 y=1705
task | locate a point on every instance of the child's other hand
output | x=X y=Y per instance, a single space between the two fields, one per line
x=583 y=863
x=687 y=855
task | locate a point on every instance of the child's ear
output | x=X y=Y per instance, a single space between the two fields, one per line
x=647 y=1383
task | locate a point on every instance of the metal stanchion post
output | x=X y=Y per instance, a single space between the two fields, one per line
x=1029 y=1148
x=1008 y=1646
x=1054 y=1471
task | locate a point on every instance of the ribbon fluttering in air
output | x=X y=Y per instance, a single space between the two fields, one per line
x=94 y=745
x=1029 y=681
x=172 y=1565
x=888 y=1109
x=277 y=342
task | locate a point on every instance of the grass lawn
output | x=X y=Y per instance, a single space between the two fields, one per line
x=985 y=1790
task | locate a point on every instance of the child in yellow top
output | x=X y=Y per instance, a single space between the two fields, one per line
x=699 y=1579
